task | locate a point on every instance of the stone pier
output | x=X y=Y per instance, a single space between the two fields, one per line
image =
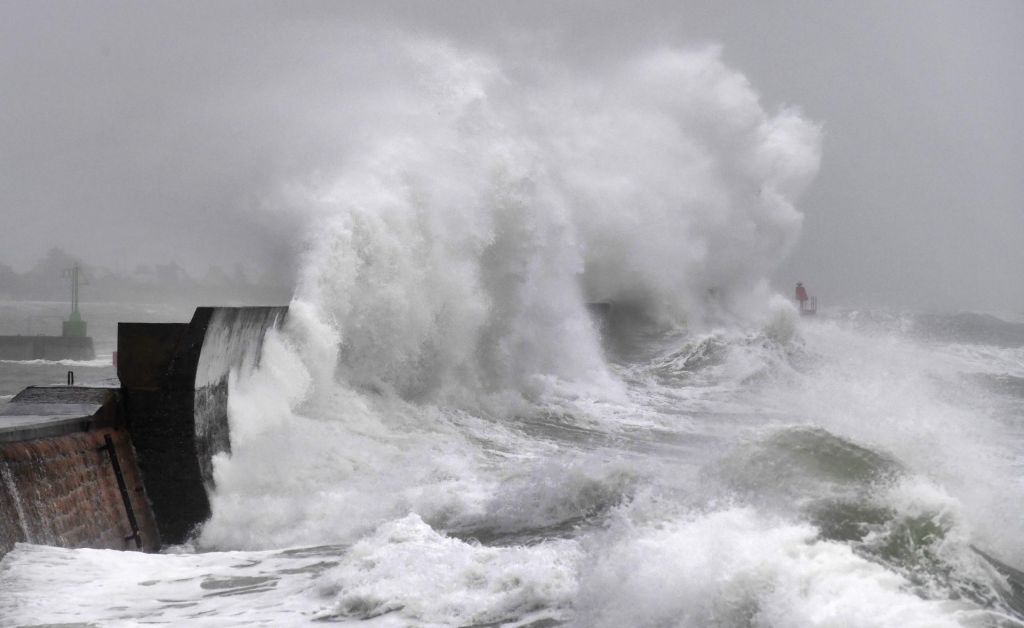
x=128 y=467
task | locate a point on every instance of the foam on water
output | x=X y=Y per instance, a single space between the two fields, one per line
x=98 y=362
x=125 y=589
x=911 y=401
x=403 y=569
x=799 y=518
x=736 y=567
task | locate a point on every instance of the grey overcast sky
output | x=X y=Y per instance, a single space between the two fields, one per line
x=155 y=131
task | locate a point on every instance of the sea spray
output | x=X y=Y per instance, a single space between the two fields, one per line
x=448 y=268
x=737 y=567
x=464 y=243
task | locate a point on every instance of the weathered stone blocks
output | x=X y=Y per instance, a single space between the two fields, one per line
x=62 y=489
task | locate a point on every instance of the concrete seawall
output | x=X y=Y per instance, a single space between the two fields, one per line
x=128 y=467
x=174 y=378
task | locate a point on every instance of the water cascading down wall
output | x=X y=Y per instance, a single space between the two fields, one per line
x=128 y=467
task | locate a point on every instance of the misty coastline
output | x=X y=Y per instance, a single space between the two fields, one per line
x=158 y=283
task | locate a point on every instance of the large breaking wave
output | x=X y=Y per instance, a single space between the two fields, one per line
x=448 y=269
x=479 y=219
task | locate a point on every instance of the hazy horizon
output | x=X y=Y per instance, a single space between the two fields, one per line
x=159 y=132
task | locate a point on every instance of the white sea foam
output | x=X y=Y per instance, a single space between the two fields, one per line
x=735 y=567
x=128 y=588
x=407 y=568
x=99 y=362
x=909 y=400
x=664 y=556
x=403 y=573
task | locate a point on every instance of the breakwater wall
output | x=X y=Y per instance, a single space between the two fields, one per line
x=174 y=378
x=128 y=467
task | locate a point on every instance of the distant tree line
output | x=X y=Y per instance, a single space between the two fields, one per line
x=147 y=283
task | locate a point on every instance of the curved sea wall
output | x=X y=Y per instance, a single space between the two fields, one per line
x=174 y=379
x=128 y=468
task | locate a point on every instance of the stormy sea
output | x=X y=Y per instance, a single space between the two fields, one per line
x=534 y=373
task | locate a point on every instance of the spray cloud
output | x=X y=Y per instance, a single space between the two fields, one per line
x=443 y=290
x=485 y=209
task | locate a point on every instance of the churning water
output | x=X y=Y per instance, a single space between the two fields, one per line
x=442 y=434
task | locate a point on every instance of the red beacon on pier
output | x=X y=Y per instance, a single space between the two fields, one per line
x=808 y=305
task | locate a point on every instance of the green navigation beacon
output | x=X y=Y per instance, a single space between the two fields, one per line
x=72 y=344
x=74 y=327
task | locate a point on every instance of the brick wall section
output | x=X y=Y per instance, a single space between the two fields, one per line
x=63 y=491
